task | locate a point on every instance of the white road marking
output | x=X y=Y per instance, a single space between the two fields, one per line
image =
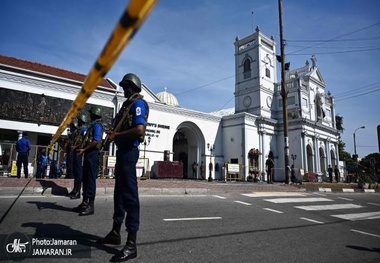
x=364 y=233
x=311 y=220
x=328 y=207
x=243 y=203
x=374 y=204
x=359 y=216
x=220 y=197
x=21 y=196
x=272 y=210
x=266 y=194
x=320 y=194
x=192 y=219
x=297 y=200
x=347 y=199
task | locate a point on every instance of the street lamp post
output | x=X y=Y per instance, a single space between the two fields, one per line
x=356 y=156
x=211 y=148
x=145 y=145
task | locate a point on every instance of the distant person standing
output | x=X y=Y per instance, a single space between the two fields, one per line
x=42 y=162
x=330 y=171
x=269 y=165
x=337 y=174
x=202 y=169
x=194 y=166
x=22 y=148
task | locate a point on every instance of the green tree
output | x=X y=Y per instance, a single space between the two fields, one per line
x=369 y=167
x=343 y=155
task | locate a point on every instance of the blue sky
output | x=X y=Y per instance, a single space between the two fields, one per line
x=187 y=46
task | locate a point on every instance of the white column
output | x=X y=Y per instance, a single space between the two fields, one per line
x=316 y=156
x=328 y=152
x=303 y=151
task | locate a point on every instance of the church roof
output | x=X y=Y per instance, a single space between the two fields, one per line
x=34 y=67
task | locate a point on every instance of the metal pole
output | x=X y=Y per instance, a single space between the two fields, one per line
x=284 y=95
x=362 y=127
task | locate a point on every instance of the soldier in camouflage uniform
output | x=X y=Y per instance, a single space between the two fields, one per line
x=90 y=149
x=69 y=152
x=76 y=141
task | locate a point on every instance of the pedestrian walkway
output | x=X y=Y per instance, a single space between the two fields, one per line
x=13 y=186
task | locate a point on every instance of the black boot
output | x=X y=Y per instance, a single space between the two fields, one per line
x=76 y=191
x=82 y=206
x=89 y=210
x=72 y=192
x=112 y=237
x=128 y=252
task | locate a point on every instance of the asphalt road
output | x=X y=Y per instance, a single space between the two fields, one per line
x=260 y=227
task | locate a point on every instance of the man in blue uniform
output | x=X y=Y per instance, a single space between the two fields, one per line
x=69 y=152
x=90 y=149
x=76 y=140
x=128 y=133
x=22 y=148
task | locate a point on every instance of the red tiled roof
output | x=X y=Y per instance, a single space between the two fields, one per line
x=57 y=72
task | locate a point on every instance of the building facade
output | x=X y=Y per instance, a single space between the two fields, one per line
x=35 y=98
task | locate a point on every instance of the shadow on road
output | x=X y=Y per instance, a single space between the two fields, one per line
x=365 y=249
x=55 y=188
x=49 y=205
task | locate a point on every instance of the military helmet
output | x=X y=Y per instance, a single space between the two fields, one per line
x=96 y=111
x=74 y=123
x=132 y=81
x=82 y=117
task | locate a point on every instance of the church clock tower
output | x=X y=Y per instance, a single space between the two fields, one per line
x=255 y=74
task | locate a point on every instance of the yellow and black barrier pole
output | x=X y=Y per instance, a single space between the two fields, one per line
x=133 y=17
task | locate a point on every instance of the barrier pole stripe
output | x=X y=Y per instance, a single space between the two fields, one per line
x=133 y=17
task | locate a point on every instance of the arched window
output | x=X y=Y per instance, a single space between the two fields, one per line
x=247 y=68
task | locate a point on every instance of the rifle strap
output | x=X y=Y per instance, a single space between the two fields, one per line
x=126 y=110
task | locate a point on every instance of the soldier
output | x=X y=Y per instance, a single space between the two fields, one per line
x=69 y=152
x=77 y=140
x=90 y=149
x=130 y=122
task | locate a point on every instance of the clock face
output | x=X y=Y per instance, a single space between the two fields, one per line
x=267 y=61
x=247 y=101
x=269 y=101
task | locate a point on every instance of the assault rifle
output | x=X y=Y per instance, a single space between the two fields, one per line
x=120 y=120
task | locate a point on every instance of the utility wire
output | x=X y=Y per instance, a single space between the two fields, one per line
x=362 y=94
x=333 y=40
x=369 y=86
x=326 y=41
x=336 y=52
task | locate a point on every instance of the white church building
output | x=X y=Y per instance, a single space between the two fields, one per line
x=36 y=98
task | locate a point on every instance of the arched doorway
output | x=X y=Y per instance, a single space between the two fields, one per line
x=309 y=153
x=188 y=146
x=333 y=159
